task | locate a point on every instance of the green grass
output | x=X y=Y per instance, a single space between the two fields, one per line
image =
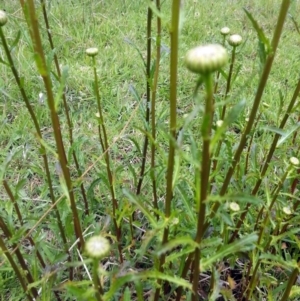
x=118 y=29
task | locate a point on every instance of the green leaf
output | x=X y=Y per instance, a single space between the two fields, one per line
x=261 y=36
x=156 y=11
x=15 y=41
x=133 y=277
x=231 y=117
x=141 y=205
x=128 y=41
x=179 y=241
x=288 y=134
x=245 y=244
x=63 y=79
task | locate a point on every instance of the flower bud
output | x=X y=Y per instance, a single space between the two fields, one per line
x=206 y=59
x=219 y=123
x=235 y=40
x=92 y=51
x=225 y=31
x=294 y=161
x=97 y=247
x=3 y=18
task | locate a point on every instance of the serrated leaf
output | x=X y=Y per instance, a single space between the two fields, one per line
x=179 y=241
x=288 y=134
x=245 y=244
x=261 y=35
x=133 y=277
x=15 y=41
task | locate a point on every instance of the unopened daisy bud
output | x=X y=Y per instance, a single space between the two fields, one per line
x=225 y=31
x=235 y=40
x=265 y=105
x=287 y=210
x=219 y=123
x=234 y=206
x=294 y=161
x=206 y=59
x=92 y=51
x=97 y=247
x=3 y=18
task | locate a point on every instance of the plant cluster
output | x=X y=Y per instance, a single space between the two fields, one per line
x=208 y=212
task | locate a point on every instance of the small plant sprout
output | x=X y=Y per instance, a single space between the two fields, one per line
x=3 y=18
x=92 y=51
x=204 y=60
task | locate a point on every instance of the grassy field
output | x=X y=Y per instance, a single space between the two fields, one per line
x=146 y=261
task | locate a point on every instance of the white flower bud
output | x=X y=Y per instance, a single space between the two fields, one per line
x=206 y=59
x=92 y=51
x=3 y=18
x=235 y=40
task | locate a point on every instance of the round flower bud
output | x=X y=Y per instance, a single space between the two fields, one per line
x=92 y=51
x=287 y=210
x=235 y=40
x=206 y=59
x=294 y=161
x=3 y=18
x=97 y=247
x=225 y=31
x=234 y=206
x=219 y=123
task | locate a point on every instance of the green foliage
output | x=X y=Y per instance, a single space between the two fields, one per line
x=187 y=177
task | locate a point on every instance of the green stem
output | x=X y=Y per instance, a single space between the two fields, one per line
x=148 y=96
x=96 y=281
x=204 y=175
x=105 y=146
x=15 y=268
x=19 y=215
x=269 y=157
x=39 y=135
x=66 y=108
x=174 y=35
x=43 y=69
x=291 y=282
x=153 y=104
x=261 y=87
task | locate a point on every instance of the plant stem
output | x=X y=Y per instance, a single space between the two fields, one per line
x=262 y=84
x=174 y=35
x=291 y=282
x=148 y=96
x=43 y=70
x=15 y=203
x=15 y=268
x=39 y=136
x=268 y=159
x=105 y=146
x=204 y=175
x=153 y=104
x=96 y=281
x=66 y=108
